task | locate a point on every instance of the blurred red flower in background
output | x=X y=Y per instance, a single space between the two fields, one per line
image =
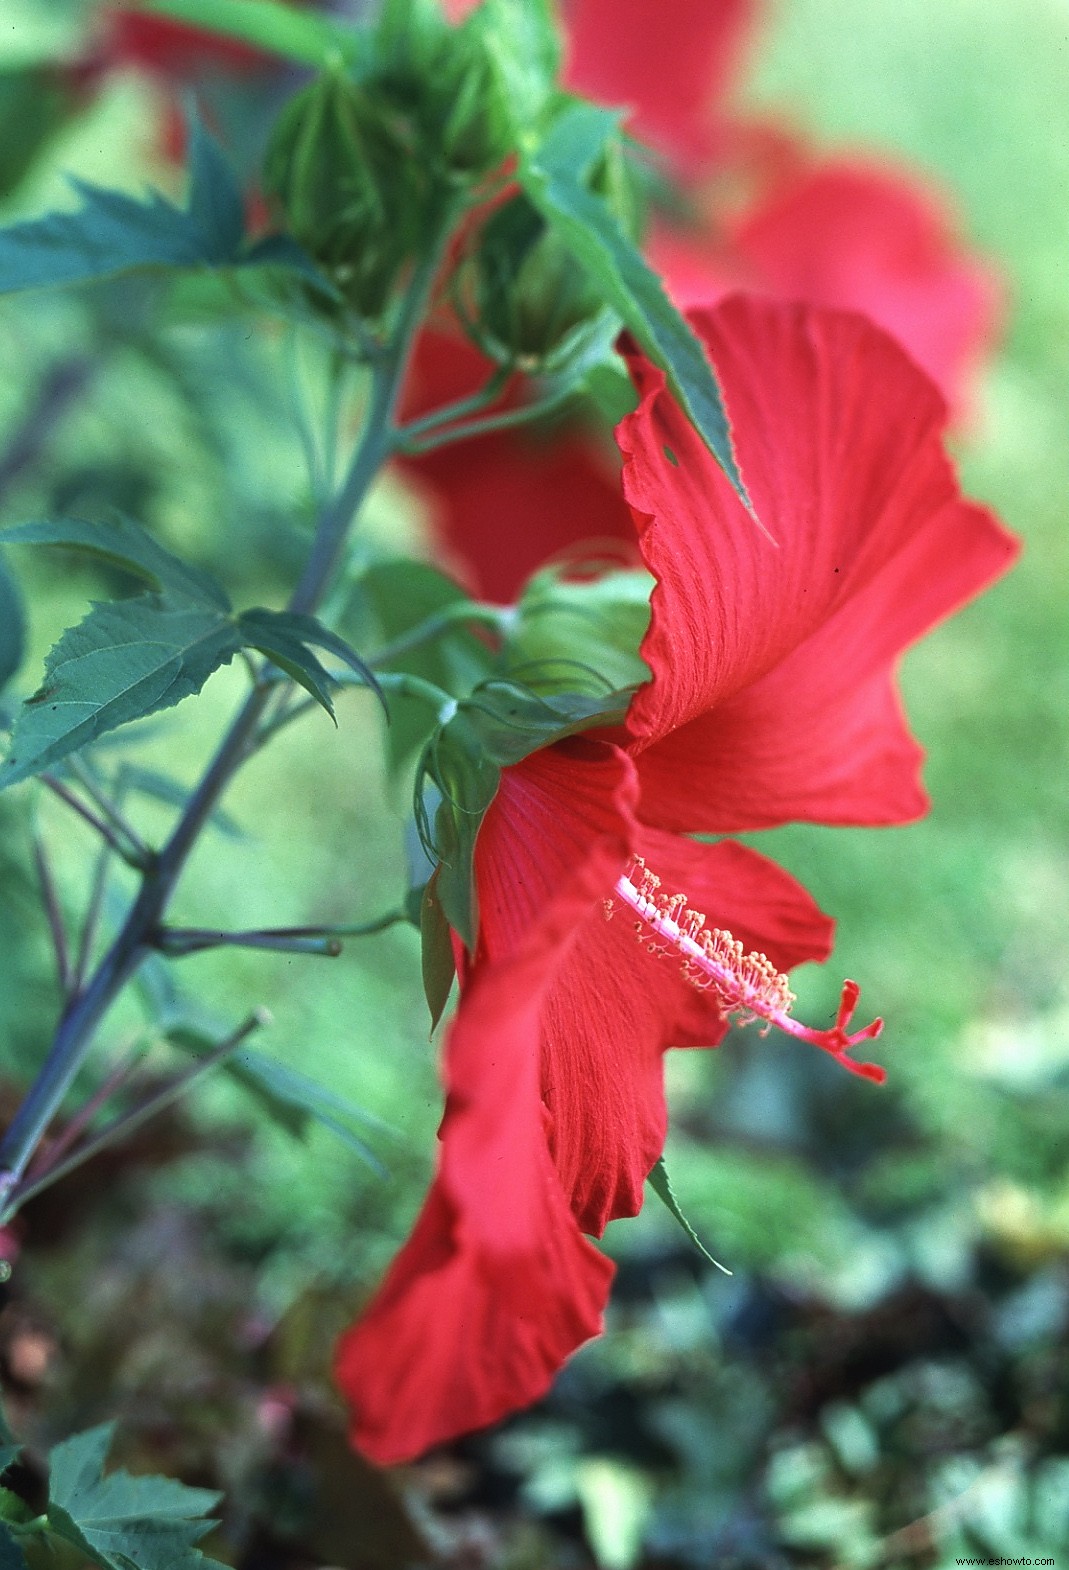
x=772 y=697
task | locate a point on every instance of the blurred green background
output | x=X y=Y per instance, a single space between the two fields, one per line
x=884 y=1380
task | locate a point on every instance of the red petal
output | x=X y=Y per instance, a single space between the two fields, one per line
x=613 y=1006
x=669 y=66
x=773 y=663
x=496 y=1286
x=877 y=241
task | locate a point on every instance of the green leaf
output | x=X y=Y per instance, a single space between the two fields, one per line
x=551 y=173
x=112 y=233
x=267 y=24
x=120 y=1521
x=437 y=960
x=11 y=1555
x=661 y=1185
x=122 y=662
x=12 y=626
x=284 y=637
x=125 y=544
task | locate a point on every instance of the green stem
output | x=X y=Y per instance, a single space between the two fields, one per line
x=449 y=413
x=79 y=1021
x=415 y=447
x=179 y=941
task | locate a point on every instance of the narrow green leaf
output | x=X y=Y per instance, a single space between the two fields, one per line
x=436 y=955
x=125 y=544
x=661 y=1185
x=12 y=626
x=279 y=29
x=285 y=638
x=119 y=1520
x=11 y=1555
x=122 y=662
x=307 y=1098
x=290 y=1098
x=551 y=174
x=286 y=651
x=309 y=630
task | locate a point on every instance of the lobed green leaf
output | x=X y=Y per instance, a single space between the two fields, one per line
x=112 y=233
x=125 y=544
x=124 y=661
x=117 y=1521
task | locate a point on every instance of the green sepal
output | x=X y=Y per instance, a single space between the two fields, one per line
x=502 y=722
x=551 y=172
x=565 y=622
x=437 y=960
x=661 y=1185
x=525 y=42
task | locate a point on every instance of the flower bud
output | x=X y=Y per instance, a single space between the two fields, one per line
x=530 y=292
x=351 y=190
x=532 y=296
x=446 y=80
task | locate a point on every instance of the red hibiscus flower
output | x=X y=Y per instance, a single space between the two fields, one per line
x=771 y=697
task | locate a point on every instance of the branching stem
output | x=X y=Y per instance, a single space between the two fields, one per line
x=84 y=1012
